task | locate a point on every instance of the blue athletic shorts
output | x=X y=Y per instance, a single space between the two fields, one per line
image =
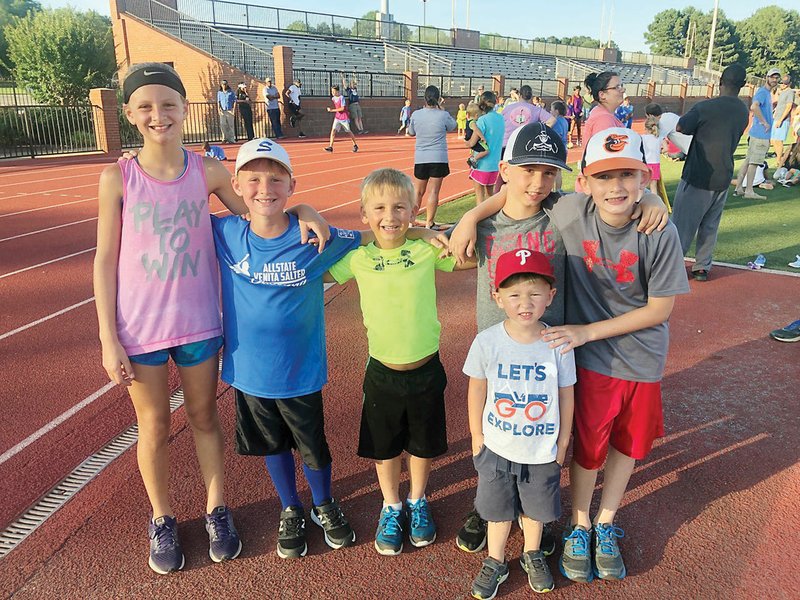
x=185 y=355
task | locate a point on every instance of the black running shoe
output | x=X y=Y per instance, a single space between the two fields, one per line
x=293 y=121
x=330 y=517
x=292 y=533
x=301 y=135
x=472 y=536
x=548 y=543
x=355 y=147
x=328 y=148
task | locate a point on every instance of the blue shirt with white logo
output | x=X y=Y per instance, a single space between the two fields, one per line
x=761 y=129
x=272 y=299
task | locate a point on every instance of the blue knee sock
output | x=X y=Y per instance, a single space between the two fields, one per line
x=320 y=483
x=281 y=470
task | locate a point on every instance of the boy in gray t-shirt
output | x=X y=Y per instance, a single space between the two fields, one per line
x=622 y=287
x=520 y=416
x=519 y=217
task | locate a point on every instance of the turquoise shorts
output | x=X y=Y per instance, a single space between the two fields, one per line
x=185 y=355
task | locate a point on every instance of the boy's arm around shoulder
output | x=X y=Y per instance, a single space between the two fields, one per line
x=104 y=275
x=464 y=237
x=656 y=311
x=218 y=179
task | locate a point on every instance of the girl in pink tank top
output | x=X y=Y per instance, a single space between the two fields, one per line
x=157 y=295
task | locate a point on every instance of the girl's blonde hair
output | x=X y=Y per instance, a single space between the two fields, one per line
x=651 y=125
x=387 y=181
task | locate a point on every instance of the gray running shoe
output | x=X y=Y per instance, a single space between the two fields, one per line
x=576 y=558
x=539 y=576
x=166 y=554
x=223 y=539
x=330 y=517
x=292 y=533
x=607 y=557
x=489 y=578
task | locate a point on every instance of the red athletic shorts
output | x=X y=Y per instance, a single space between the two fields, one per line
x=626 y=414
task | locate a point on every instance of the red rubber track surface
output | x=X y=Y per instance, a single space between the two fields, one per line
x=708 y=514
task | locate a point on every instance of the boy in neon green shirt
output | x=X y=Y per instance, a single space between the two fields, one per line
x=404 y=382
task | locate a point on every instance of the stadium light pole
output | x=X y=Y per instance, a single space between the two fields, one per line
x=424 y=20
x=713 y=32
x=454 y=14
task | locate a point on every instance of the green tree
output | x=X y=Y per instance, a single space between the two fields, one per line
x=59 y=55
x=8 y=10
x=770 y=37
x=668 y=35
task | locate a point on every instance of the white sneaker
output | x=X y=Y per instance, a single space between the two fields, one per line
x=796 y=264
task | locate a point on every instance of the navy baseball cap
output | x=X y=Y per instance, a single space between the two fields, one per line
x=536 y=144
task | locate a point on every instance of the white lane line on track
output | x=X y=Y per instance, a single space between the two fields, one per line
x=43 y=319
x=17 y=272
x=22 y=212
x=54 y=423
x=21 y=235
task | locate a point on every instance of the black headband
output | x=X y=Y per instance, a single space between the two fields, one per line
x=151 y=76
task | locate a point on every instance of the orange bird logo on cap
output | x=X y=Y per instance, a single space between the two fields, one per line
x=616 y=142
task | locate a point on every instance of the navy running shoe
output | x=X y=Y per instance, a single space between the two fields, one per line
x=422 y=529
x=223 y=539
x=166 y=554
x=608 y=562
x=389 y=535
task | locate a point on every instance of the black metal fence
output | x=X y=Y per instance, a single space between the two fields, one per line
x=317 y=84
x=202 y=125
x=28 y=130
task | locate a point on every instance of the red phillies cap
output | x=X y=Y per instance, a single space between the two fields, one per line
x=522 y=261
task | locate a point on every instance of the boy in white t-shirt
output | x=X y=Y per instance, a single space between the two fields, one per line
x=520 y=415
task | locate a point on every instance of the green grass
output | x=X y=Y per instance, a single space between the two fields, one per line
x=770 y=227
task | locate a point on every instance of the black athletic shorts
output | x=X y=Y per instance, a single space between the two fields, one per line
x=427 y=170
x=270 y=426
x=293 y=108
x=403 y=410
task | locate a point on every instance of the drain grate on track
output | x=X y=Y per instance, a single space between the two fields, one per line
x=25 y=525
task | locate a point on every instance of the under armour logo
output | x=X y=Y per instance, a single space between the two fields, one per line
x=523 y=255
x=623 y=268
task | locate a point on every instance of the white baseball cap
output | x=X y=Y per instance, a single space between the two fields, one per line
x=772 y=72
x=262 y=148
x=613 y=148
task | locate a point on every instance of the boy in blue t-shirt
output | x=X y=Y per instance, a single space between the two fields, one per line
x=561 y=127
x=274 y=354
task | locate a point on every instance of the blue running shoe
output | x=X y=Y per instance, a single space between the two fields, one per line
x=607 y=557
x=166 y=554
x=389 y=536
x=576 y=558
x=422 y=529
x=223 y=539
x=790 y=333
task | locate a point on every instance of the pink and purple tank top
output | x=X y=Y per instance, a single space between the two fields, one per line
x=167 y=277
